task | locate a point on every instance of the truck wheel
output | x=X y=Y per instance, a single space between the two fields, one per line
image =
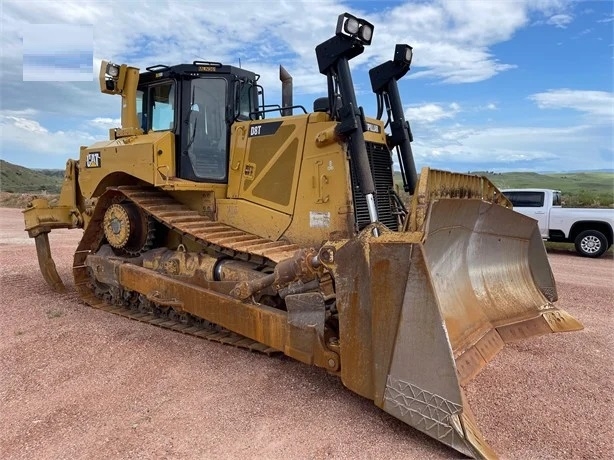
x=591 y=243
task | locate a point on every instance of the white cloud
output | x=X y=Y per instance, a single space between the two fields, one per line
x=492 y=106
x=560 y=20
x=526 y=147
x=582 y=33
x=430 y=113
x=105 y=122
x=28 y=135
x=25 y=125
x=19 y=113
x=599 y=104
x=452 y=38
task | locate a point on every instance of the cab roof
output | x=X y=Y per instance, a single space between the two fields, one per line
x=196 y=69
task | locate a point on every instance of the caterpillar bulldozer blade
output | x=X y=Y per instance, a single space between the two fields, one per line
x=422 y=315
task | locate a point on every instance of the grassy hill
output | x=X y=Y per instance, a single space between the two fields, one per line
x=568 y=183
x=17 y=179
x=578 y=188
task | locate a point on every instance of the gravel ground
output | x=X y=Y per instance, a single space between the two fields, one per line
x=81 y=383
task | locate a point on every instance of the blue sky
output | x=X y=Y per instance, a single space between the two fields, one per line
x=495 y=85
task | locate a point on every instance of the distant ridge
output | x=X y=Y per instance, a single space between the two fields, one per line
x=611 y=170
x=582 y=188
x=19 y=179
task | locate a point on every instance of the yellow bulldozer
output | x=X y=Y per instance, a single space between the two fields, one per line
x=214 y=214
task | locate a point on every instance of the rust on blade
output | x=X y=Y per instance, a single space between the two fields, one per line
x=472 y=361
x=524 y=329
x=439 y=306
x=561 y=321
x=491 y=280
x=473 y=435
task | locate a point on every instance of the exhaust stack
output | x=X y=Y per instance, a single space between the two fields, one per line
x=286 y=91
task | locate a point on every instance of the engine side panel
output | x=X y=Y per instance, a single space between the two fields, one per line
x=149 y=158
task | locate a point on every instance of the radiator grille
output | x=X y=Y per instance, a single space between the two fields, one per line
x=380 y=161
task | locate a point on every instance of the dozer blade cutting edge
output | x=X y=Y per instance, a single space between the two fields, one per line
x=418 y=319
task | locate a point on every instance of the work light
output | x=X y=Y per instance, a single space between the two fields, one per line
x=351 y=26
x=112 y=70
x=403 y=54
x=354 y=27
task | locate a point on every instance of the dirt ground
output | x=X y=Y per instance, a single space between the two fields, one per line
x=76 y=382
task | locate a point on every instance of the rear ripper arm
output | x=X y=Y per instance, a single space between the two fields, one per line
x=40 y=218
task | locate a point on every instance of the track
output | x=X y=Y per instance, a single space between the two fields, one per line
x=177 y=217
x=216 y=235
x=185 y=325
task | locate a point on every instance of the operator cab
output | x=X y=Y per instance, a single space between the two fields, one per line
x=198 y=102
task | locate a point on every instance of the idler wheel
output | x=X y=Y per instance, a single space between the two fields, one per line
x=127 y=228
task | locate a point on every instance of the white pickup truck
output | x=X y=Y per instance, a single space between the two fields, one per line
x=588 y=228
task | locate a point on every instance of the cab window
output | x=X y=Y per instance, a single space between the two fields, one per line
x=526 y=199
x=247 y=100
x=162 y=100
x=141 y=115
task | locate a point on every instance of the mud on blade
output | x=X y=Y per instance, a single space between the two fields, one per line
x=437 y=307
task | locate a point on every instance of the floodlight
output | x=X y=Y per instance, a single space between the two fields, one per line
x=112 y=70
x=366 y=33
x=403 y=54
x=351 y=26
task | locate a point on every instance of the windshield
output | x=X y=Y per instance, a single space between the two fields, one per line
x=207 y=134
